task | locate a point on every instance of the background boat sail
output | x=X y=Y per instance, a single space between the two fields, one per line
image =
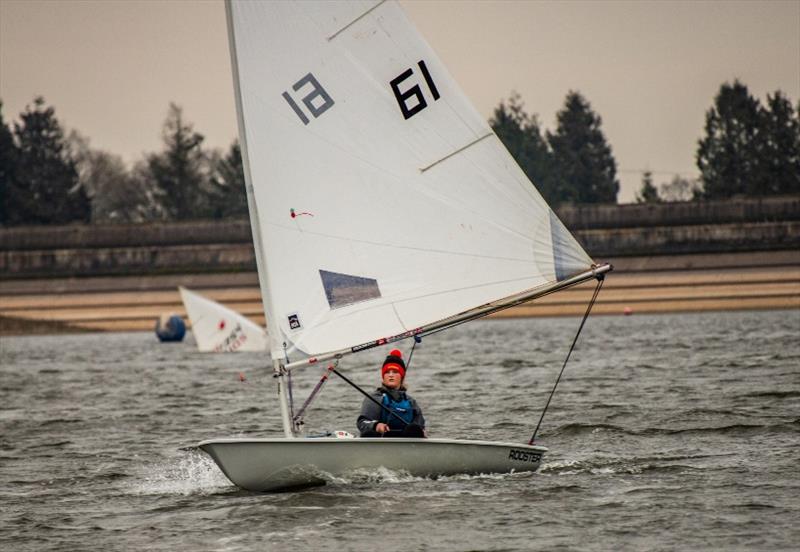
x=382 y=207
x=218 y=329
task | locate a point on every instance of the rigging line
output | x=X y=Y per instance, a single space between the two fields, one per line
x=367 y=395
x=297 y=418
x=600 y=280
x=459 y=150
x=417 y=339
x=337 y=33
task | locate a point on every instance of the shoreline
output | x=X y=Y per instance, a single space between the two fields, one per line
x=20 y=327
x=134 y=304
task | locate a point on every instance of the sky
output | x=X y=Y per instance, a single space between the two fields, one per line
x=650 y=69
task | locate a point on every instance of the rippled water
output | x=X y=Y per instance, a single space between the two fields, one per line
x=667 y=432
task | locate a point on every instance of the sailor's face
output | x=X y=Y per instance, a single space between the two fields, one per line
x=391 y=379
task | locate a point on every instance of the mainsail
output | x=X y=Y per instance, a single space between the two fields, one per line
x=381 y=201
x=218 y=329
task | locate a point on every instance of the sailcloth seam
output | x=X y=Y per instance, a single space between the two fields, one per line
x=399 y=246
x=399 y=319
x=476 y=286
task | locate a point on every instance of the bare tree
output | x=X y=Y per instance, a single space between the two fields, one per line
x=117 y=195
x=679 y=189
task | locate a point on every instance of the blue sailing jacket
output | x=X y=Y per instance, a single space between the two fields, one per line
x=401 y=404
x=402 y=408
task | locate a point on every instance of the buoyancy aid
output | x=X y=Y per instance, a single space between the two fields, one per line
x=402 y=408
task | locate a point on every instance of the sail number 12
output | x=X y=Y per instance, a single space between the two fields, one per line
x=317 y=100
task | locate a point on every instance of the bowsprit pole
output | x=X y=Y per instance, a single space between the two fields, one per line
x=600 y=279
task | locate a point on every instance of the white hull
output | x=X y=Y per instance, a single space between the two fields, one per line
x=281 y=464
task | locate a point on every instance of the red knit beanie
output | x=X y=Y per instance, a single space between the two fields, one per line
x=394 y=360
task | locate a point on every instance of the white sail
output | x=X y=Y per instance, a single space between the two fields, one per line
x=381 y=201
x=218 y=329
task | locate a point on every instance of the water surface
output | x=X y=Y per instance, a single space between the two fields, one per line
x=668 y=432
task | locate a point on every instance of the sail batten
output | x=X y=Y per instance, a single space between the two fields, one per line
x=351 y=23
x=459 y=150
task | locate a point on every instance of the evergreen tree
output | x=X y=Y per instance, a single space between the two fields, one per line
x=8 y=164
x=648 y=193
x=46 y=189
x=780 y=152
x=585 y=169
x=729 y=155
x=228 y=196
x=180 y=172
x=521 y=135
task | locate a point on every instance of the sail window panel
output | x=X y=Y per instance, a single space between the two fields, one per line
x=344 y=289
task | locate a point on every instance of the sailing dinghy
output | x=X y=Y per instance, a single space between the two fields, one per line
x=383 y=207
x=218 y=329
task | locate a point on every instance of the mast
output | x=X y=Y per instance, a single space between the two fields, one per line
x=273 y=330
x=280 y=377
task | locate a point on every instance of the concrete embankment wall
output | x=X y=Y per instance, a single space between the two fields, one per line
x=226 y=246
x=667 y=257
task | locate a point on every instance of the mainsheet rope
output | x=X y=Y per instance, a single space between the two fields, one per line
x=367 y=395
x=600 y=279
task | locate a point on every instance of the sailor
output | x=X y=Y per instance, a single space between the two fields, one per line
x=376 y=421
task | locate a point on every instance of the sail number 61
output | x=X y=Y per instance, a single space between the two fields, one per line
x=413 y=92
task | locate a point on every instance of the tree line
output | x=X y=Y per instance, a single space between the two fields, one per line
x=748 y=149
x=573 y=164
x=48 y=176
